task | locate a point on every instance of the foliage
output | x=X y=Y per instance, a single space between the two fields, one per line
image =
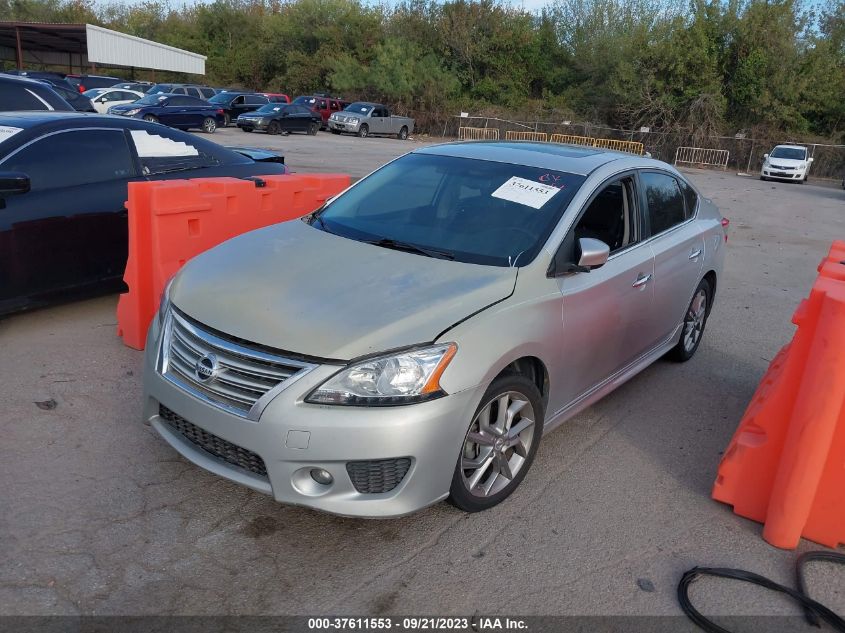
x=698 y=68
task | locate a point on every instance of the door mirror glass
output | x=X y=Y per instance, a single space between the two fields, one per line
x=594 y=253
x=810 y=160
x=13 y=183
x=765 y=157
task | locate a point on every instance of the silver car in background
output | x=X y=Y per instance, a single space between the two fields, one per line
x=364 y=119
x=414 y=338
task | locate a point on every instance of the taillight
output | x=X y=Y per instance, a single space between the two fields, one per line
x=725 y=224
x=220 y=111
x=81 y=88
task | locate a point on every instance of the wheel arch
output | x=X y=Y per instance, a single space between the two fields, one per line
x=532 y=368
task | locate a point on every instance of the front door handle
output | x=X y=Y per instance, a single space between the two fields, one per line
x=642 y=280
x=695 y=254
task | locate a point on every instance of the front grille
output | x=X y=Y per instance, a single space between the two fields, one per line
x=784 y=167
x=238 y=377
x=376 y=476
x=215 y=446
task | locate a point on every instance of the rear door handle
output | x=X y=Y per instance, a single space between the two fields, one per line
x=642 y=280
x=695 y=254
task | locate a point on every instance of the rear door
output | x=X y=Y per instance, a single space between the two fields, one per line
x=678 y=247
x=70 y=229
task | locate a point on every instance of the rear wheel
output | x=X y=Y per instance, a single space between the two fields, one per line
x=313 y=128
x=150 y=118
x=274 y=127
x=500 y=444
x=209 y=125
x=695 y=319
x=403 y=133
x=363 y=131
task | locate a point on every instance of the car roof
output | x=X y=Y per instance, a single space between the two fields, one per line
x=791 y=146
x=21 y=80
x=573 y=159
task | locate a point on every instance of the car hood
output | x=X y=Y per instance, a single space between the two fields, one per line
x=295 y=288
x=125 y=107
x=787 y=162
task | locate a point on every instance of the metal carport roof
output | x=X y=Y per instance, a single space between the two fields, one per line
x=86 y=45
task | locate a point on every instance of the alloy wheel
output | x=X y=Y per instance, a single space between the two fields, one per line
x=694 y=321
x=498 y=444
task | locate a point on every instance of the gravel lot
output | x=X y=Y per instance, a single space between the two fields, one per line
x=100 y=516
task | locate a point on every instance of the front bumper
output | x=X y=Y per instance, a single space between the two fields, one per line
x=293 y=437
x=768 y=172
x=344 y=127
x=251 y=124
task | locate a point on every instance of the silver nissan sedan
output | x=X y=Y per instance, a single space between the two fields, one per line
x=415 y=338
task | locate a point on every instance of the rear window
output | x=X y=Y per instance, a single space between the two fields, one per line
x=16 y=96
x=166 y=151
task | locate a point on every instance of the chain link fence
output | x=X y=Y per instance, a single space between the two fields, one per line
x=745 y=154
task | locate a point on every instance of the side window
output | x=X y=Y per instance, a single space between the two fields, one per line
x=207 y=93
x=322 y=105
x=610 y=217
x=18 y=98
x=193 y=92
x=335 y=105
x=176 y=101
x=690 y=198
x=161 y=152
x=238 y=100
x=79 y=157
x=256 y=100
x=665 y=201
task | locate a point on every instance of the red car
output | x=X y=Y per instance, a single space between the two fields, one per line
x=276 y=97
x=323 y=105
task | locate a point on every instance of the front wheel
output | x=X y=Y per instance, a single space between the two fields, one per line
x=363 y=131
x=209 y=125
x=500 y=444
x=403 y=133
x=274 y=127
x=695 y=319
x=149 y=118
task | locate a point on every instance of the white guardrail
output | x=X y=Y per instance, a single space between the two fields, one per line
x=702 y=156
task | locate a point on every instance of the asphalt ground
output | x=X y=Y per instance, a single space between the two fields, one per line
x=100 y=516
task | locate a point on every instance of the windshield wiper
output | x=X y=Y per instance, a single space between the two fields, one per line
x=387 y=242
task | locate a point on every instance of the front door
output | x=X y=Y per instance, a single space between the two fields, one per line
x=608 y=312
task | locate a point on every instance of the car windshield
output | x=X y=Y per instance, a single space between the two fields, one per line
x=151 y=99
x=270 y=108
x=791 y=153
x=469 y=210
x=306 y=101
x=358 y=108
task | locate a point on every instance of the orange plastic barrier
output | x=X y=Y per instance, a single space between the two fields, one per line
x=785 y=466
x=172 y=221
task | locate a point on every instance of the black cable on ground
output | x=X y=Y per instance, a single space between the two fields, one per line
x=818 y=610
x=801 y=582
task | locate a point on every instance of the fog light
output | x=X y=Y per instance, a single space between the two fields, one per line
x=321 y=476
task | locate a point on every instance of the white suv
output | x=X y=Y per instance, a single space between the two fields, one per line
x=786 y=162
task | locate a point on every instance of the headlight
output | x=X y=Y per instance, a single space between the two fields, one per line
x=164 y=305
x=132 y=112
x=402 y=378
x=354 y=121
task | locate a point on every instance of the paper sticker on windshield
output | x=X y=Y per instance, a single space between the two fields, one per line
x=154 y=146
x=531 y=194
x=7 y=132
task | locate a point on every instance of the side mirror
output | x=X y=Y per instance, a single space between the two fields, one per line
x=765 y=157
x=594 y=253
x=13 y=183
x=810 y=160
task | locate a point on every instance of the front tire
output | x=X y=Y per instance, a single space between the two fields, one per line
x=500 y=444
x=363 y=131
x=274 y=127
x=209 y=125
x=150 y=118
x=695 y=320
x=403 y=133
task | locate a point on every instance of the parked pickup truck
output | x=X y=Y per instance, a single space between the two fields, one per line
x=364 y=118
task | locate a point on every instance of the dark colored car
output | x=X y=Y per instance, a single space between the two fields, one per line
x=55 y=79
x=78 y=101
x=192 y=90
x=236 y=103
x=20 y=93
x=140 y=86
x=176 y=111
x=87 y=82
x=277 y=118
x=66 y=231
x=323 y=105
